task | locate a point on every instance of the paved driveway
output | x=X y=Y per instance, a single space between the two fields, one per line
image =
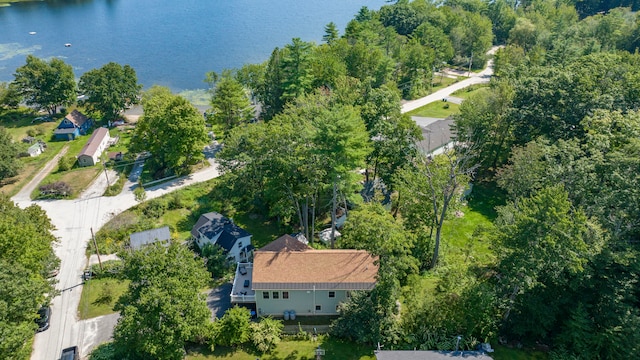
x=219 y=300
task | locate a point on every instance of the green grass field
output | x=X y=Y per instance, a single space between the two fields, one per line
x=438 y=109
x=470 y=91
x=99 y=296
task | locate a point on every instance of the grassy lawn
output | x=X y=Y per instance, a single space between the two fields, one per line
x=18 y=124
x=78 y=178
x=442 y=82
x=438 y=109
x=99 y=296
x=291 y=350
x=470 y=91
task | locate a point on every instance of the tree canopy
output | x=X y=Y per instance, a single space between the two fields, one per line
x=46 y=85
x=110 y=89
x=172 y=130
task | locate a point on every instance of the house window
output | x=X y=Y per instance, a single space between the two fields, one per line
x=239 y=244
x=348 y=294
x=265 y=294
x=332 y=294
x=276 y=295
x=285 y=294
x=318 y=307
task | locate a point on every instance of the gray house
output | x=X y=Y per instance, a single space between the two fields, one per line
x=143 y=238
x=297 y=278
x=214 y=228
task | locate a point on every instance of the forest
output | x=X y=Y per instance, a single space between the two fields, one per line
x=553 y=140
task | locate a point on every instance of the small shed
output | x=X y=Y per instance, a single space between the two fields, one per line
x=143 y=238
x=36 y=149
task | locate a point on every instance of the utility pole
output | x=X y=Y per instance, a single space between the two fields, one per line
x=96 y=245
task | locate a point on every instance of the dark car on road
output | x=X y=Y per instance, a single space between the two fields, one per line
x=70 y=353
x=43 y=320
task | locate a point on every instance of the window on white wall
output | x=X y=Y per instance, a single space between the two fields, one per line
x=239 y=244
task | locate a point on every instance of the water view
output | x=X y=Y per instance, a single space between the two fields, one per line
x=168 y=42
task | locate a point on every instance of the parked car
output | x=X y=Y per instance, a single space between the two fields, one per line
x=43 y=320
x=42 y=118
x=70 y=353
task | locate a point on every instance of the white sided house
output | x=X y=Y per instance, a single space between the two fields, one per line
x=98 y=142
x=213 y=228
x=301 y=280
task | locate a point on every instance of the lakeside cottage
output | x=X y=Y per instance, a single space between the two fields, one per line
x=72 y=126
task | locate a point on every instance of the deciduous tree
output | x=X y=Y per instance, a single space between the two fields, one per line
x=163 y=307
x=9 y=163
x=46 y=85
x=172 y=130
x=110 y=89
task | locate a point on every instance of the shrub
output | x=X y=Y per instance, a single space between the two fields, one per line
x=266 y=334
x=31 y=132
x=139 y=194
x=66 y=163
x=154 y=208
x=56 y=189
x=234 y=328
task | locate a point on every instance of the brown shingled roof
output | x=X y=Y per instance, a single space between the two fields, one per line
x=285 y=243
x=94 y=142
x=77 y=118
x=322 y=269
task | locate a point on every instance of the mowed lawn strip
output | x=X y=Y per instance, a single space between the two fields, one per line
x=290 y=350
x=99 y=296
x=438 y=109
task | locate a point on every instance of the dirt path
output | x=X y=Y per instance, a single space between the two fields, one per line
x=25 y=193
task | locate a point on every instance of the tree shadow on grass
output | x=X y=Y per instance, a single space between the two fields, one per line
x=485 y=197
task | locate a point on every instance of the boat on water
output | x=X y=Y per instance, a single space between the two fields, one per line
x=67 y=45
x=32 y=32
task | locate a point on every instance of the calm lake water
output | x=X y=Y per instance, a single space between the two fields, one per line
x=169 y=42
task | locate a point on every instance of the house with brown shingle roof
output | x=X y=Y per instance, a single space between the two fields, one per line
x=304 y=281
x=72 y=126
x=90 y=153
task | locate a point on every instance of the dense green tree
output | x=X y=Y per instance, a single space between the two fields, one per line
x=393 y=134
x=296 y=69
x=172 y=130
x=265 y=334
x=9 y=163
x=215 y=260
x=26 y=259
x=402 y=16
x=230 y=104
x=110 y=89
x=434 y=38
x=270 y=93
x=9 y=96
x=503 y=17
x=370 y=317
x=163 y=307
x=544 y=242
x=234 y=328
x=330 y=33
x=46 y=85
x=372 y=228
x=416 y=69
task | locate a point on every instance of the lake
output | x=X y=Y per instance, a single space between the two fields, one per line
x=168 y=42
